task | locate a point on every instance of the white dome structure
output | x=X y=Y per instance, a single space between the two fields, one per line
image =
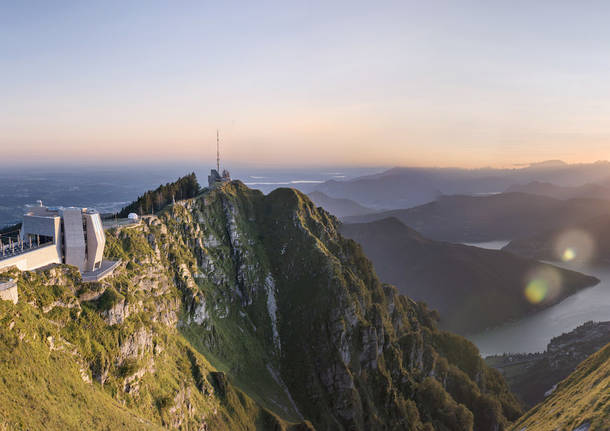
x=133 y=217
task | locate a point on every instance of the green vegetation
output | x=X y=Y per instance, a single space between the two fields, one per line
x=184 y=188
x=239 y=311
x=332 y=319
x=64 y=366
x=582 y=398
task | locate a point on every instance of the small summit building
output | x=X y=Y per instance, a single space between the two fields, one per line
x=215 y=179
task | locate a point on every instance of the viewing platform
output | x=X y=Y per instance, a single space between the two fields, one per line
x=106 y=268
x=10 y=248
x=111 y=223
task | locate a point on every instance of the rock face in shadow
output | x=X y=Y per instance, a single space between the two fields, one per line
x=472 y=288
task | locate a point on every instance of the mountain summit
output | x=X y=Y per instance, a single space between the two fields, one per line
x=236 y=310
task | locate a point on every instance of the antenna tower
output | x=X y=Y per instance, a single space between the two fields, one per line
x=217 y=151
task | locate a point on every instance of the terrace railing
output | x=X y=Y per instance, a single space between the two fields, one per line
x=11 y=246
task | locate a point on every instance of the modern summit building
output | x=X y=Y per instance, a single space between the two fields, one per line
x=73 y=236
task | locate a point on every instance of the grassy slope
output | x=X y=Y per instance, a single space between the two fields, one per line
x=584 y=397
x=54 y=347
x=214 y=254
x=42 y=388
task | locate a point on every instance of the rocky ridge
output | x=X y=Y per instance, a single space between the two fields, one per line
x=236 y=310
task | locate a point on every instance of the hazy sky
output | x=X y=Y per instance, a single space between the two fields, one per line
x=366 y=83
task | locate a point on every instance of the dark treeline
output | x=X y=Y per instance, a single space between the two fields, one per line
x=153 y=200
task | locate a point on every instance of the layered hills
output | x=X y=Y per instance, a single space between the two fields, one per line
x=339 y=207
x=586 y=242
x=472 y=288
x=504 y=216
x=404 y=187
x=235 y=310
x=591 y=190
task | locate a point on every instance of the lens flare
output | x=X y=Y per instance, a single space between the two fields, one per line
x=574 y=246
x=542 y=284
x=568 y=254
x=536 y=291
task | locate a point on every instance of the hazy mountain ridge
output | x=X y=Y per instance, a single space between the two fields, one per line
x=507 y=216
x=404 y=187
x=546 y=245
x=472 y=288
x=337 y=206
x=591 y=191
x=262 y=288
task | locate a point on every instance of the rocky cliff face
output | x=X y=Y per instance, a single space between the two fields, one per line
x=243 y=311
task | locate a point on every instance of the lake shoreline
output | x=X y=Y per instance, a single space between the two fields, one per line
x=532 y=333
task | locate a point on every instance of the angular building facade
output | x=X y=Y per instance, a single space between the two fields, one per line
x=95 y=240
x=75 y=251
x=74 y=236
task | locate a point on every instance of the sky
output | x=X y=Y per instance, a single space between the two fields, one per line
x=412 y=83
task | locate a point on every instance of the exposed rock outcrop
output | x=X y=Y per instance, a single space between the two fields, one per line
x=235 y=289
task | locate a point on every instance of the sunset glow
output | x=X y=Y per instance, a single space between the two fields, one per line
x=403 y=83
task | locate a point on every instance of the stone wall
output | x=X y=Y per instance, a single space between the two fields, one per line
x=36 y=258
x=8 y=291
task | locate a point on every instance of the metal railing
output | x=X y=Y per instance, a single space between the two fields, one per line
x=10 y=246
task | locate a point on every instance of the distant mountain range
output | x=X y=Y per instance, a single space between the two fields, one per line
x=590 y=190
x=487 y=218
x=337 y=206
x=551 y=244
x=472 y=288
x=410 y=186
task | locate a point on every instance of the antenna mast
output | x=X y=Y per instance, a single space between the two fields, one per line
x=217 y=151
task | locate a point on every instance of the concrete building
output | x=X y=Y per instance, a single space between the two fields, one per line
x=73 y=236
x=215 y=178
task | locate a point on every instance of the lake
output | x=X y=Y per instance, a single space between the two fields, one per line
x=532 y=333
